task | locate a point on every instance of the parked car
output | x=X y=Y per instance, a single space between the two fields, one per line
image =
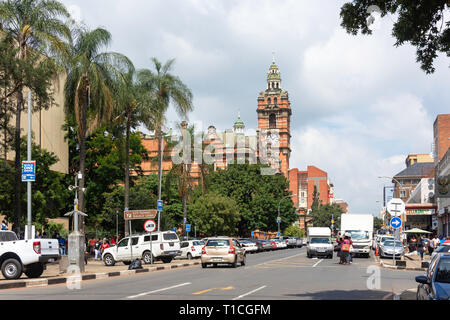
x=249 y=246
x=280 y=244
x=191 y=249
x=442 y=249
x=435 y=284
x=274 y=245
x=25 y=256
x=298 y=242
x=389 y=247
x=266 y=245
x=223 y=251
x=289 y=241
x=165 y=247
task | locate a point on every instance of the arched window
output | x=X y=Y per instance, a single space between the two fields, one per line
x=275 y=100
x=272 y=121
x=269 y=101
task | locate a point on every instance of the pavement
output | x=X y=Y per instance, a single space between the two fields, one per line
x=93 y=270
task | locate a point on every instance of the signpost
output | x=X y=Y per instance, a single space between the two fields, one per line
x=139 y=214
x=396 y=223
x=396 y=207
x=188 y=228
x=150 y=226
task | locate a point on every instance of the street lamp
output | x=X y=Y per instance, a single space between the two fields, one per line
x=279 y=218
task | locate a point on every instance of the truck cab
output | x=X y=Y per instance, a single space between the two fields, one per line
x=319 y=242
x=360 y=228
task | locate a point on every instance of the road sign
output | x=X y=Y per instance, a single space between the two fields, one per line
x=396 y=207
x=278 y=234
x=150 y=225
x=396 y=222
x=139 y=214
x=253 y=234
x=28 y=171
x=160 y=205
x=174 y=229
x=188 y=227
x=278 y=219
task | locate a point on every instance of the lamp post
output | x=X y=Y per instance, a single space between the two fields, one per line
x=279 y=218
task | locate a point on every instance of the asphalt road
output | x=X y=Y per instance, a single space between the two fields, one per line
x=280 y=275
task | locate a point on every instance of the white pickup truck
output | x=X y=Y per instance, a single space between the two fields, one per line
x=25 y=256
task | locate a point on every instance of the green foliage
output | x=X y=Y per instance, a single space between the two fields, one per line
x=424 y=24
x=50 y=196
x=256 y=195
x=323 y=214
x=377 y=223
x=215 y=214
x=316 y=202
x=294 y=231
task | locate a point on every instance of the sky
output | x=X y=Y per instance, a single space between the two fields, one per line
x=359 y=104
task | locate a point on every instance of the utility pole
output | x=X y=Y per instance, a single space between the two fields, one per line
x=29 y=215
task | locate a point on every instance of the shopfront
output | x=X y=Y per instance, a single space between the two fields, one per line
x=422 y=218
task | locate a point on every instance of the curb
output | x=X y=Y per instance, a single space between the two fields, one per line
x=408 y=291
x=399 y=268
x=33 y=283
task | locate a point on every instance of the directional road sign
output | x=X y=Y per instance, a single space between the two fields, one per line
x=139 y=214
x=188 y=227
x=396 y=207
x=396 y=222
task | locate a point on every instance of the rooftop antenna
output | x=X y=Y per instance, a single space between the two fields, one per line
x=273 y=57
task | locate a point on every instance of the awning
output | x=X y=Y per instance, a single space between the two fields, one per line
x=416 y=230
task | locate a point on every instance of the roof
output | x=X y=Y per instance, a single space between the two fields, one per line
x=420 y=169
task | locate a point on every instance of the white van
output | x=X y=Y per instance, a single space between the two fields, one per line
x=165 y=247
x=319 y=242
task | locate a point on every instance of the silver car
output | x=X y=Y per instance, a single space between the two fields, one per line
x=387 y=249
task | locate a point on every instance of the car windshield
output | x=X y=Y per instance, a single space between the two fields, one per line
x=320 y=240
x=383 y=239
x=390 y=243
x=358 y=234
x=217 y=243
x=443 y=271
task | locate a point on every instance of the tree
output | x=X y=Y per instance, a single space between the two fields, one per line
x=256 y=195
x=377 y=223
x=89 y=89
x=215 y=214
x=294 y=231
x=38 y=33
x=164 y=88
x=424 y=24
x=316 y=202
x=323 y=215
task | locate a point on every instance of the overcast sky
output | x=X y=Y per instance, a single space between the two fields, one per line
x=359 y=105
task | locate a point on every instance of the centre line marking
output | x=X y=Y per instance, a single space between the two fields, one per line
x=154 y=291
x=317 y=263
x=246 y=294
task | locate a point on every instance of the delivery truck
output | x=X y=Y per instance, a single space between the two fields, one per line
x=319 y=242
x=360 y=228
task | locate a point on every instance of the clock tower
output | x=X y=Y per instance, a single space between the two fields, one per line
x=274 y=119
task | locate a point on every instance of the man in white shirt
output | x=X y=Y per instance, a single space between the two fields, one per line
x=435 y=242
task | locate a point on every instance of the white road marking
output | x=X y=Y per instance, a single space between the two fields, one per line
x=154 y=291
x=281 y=259
x=317 y=263
x=248 y=293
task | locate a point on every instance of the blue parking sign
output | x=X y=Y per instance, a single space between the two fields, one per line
x=188 y=227
x=160 y=205
x=28 y=171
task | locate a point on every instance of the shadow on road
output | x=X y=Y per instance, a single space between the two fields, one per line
x=342 y=295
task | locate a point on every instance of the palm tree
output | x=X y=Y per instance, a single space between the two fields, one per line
x=135 y=108
x=91 y=86
x=35 y=25
x=165 y=88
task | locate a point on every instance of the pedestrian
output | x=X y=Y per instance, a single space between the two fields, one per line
x=62 y=244
x=436 y=242
x=345 y=248
x=339 y=242
x=420 y=248
x=413 y=244
x=97 y=249
x=350 y=252
x=431 y=246
x=113 y=241
x=4 y=225
x=105 y=245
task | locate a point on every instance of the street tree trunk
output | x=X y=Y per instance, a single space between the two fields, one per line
x=127 y=168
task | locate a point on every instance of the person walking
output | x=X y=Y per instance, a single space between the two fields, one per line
x=345 y=249
x=350 y=252
x=97 y=249
x=105 y=245
x=420 y=248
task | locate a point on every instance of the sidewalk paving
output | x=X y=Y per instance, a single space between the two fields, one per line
x=413 y=262
x=93 y=270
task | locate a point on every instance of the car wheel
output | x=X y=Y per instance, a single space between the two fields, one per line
x=234 y=264
x=243 y=261
x=34 y=270
x=204 y=265
x=147 y=257
x=189 y=256
x=109 y=261
x=11 y=269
